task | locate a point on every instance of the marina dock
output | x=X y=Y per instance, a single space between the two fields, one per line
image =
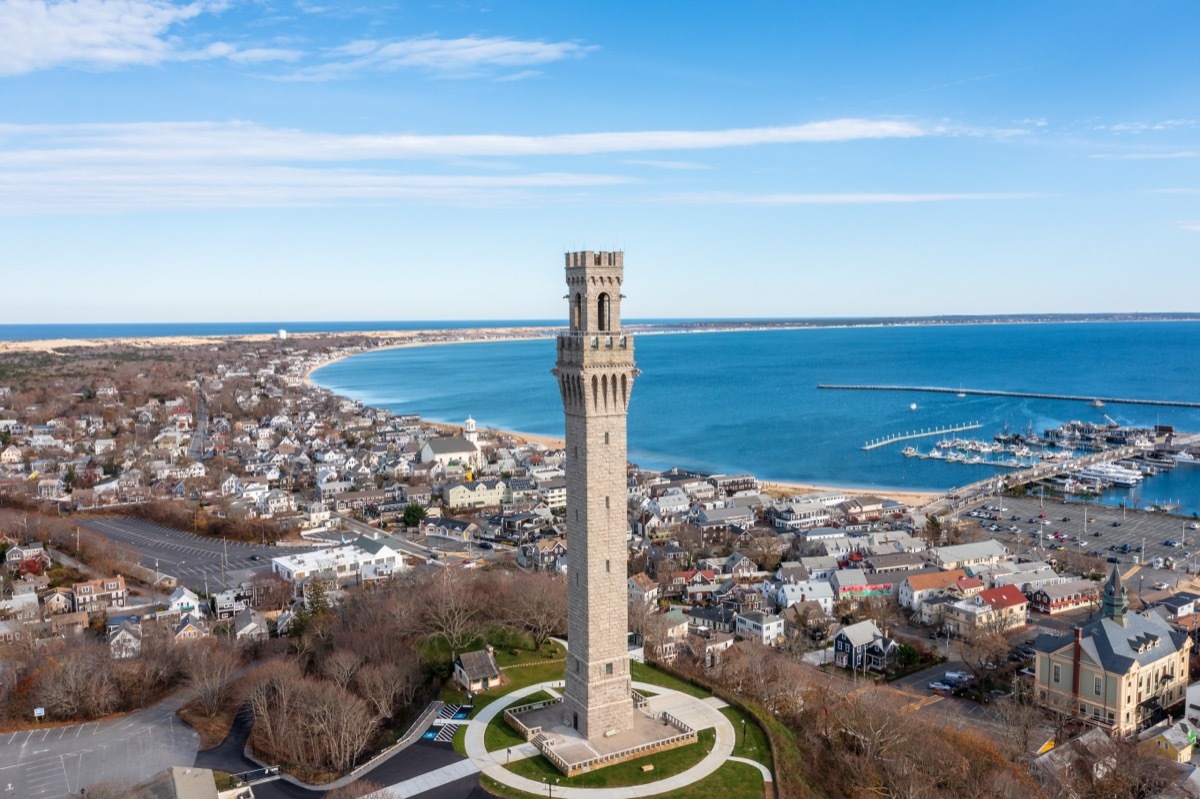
x=883 y=442
x=1024 y=394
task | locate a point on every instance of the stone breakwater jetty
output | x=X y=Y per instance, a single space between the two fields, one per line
x=1024 y=394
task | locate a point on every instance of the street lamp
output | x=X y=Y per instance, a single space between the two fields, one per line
x=743 y=733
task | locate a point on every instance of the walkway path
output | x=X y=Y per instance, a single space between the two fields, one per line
x=699 y=713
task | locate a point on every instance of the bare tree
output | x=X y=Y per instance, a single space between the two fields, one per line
x=540 y=607
x=1020 y=722
x=340 y=666
x=450 y=612
x=209 y=666
x=80 y=683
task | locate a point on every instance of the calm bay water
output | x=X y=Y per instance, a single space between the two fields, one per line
x=748 y=401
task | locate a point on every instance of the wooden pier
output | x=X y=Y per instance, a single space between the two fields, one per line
x=958 y=428
x=1022 y=394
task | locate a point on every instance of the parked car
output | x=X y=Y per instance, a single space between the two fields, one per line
x=1114 y=559
x=940 y=686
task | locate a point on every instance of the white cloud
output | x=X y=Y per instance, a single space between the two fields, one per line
x=469 y=56
x=681 y=165
x=145 y=142
x=109 y=34
x=175 y=186
x=1148 y=127
x=117 y=167
x=40 y=34
x=840 y=198
x=1192 y=226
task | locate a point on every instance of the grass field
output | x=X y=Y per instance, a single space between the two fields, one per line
x=730 y=781
x=499 y=735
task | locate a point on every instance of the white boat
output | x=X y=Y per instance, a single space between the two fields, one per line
x=909 y=452
x=1097 y=403
x=1183 y=457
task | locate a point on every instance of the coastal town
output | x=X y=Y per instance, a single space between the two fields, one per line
x=210 y=506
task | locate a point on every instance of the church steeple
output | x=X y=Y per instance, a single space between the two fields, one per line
x=1116 y=597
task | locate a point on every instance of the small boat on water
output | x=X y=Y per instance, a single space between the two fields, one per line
x=909 y=452
x=1097 y=403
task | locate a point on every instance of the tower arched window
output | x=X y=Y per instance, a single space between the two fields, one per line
x=603 y=311
x=577 y=312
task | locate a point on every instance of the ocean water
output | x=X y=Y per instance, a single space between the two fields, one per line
x=748 y=401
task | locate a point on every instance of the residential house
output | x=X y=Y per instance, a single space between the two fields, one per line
x=476 y=494
x=993 y=610
x=1174 y=741
x=863 y=646
x=1121 y=672
x=250 y=625
x=58 y=601
x=918 y=588
x=477 y=671
x=763 y=628
x=125 y=641
x=543 y=554
x=189 y=628
x=27 y=557
x=183 y=601
x=642 y=590
x=68 y=623
x=100 y=594
x=789 y=594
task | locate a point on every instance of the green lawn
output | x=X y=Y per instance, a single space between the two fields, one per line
x=666 y=764
x=499 y=735
x=730 y=781
x=752 y=743
x=643 y=673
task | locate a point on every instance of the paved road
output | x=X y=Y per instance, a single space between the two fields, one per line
x=191 y=558
x=420 y=758
x=58 y=761
x=196 y=444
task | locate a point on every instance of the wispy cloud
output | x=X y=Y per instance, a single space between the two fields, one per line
x=145 y=142
x=179 y=186
x=118 y=167
x=109 y=34
x=1148 y=127
x=466 y=57
x=683 y=165
x=841 y=198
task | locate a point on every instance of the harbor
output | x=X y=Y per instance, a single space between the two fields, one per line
x=940 y=431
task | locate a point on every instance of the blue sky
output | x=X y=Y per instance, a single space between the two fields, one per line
x=324 y=160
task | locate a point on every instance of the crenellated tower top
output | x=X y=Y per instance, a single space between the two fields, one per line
x=594 y=291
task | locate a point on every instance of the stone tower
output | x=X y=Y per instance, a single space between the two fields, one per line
x=595 y=374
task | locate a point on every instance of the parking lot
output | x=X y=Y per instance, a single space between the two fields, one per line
x=196 y=561
x=1100 y=532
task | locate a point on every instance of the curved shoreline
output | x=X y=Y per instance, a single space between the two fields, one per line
x=915 y=497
